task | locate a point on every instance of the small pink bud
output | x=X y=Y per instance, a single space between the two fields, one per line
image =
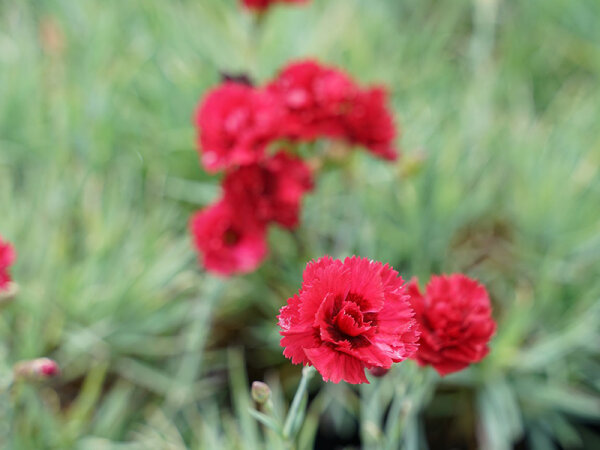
x=49 y=368
x=260 y=392
x=36 y=369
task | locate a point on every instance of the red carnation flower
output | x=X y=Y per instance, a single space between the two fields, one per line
x=228 y=242
x=371 y=124
x=456 y=322
x=272 y=190
x=261 y=5
x=315 y=98
x=235 y=123
x=348 y=316
x=7 y=258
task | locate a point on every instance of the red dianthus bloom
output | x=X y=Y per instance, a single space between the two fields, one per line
x=235 y=123
x=315 y=98
x=271 y=190
x=261 y=5
x=456 y=322
x=228 y=241
x=7 y=258
x=370 y=123
x=348 y=316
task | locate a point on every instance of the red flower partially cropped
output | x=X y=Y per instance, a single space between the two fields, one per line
x=235 y=123
x=7 y=258
x=456 y=322
x=370 y=123
x=348 y=316
x=271 y=190
x=261 y=5
x=228 y=241
x=315 y=98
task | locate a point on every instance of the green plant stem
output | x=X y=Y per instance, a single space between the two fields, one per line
x=253 y=43
x=307 y=373
x=371 y=413
x=400 y=408
x=6 y=412
x=408 y=401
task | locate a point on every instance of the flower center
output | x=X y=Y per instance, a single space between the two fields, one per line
x=448 y=324
x=349 y=320
x=345 y=323
x=269 y=184
x=230 y=237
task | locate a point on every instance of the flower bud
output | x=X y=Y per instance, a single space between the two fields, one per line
x=240 y=78
x=36 y=369
x=378 y=371
x=260 y=392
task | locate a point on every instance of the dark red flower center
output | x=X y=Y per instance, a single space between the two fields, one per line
x=346 y=322
x=446 y=324
x=230 y=237
x=349 y=320
x=269 y=184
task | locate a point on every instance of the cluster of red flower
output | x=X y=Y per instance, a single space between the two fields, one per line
x=230 y=234
x=349 y=315
x=239 y=124
x=357 y=314
x=261 y=5
x=7 y=258
x=307 y=101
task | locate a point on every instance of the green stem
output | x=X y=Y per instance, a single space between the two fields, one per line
x=253 y=43
x=371 y=414
x=407 y=403
x=6 y=414
x=399 y=409
x=307 y=373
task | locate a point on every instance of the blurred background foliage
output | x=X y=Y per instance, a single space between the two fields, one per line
x=499 y=103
